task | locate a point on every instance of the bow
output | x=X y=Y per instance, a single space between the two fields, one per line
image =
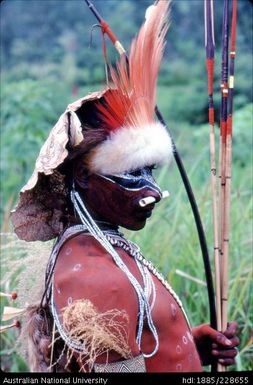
x=201 y=235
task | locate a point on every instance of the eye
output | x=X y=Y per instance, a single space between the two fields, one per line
x=136 y=172
x=153 y=167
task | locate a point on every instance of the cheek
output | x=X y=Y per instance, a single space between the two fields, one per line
x=111 y=204
x=120 y=204
x=120 y=209
x=120 y=200
x=125 y=212
x=115 y=204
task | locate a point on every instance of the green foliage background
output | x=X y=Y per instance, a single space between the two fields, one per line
x=46 y=63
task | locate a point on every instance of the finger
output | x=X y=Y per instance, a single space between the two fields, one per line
x=227 y=361
x=229 y=353
x=235 y=341
x=231 y=329
x=222 y=340
x=216 y=336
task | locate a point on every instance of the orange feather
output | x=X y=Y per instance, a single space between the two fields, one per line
x=131 y=100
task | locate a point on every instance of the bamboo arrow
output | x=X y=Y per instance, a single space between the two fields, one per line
x=228 y=163
x=221 y=235
x=210 y=44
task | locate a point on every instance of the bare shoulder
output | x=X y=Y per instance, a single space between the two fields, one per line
x=84 y=250
x=84 y=270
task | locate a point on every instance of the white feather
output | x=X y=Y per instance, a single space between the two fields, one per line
x=131 y=148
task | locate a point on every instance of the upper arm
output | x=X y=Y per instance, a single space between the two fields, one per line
x=85 y=272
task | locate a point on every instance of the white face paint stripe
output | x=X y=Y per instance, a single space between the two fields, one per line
x=132 y=189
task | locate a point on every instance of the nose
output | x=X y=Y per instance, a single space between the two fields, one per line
x=150 y=197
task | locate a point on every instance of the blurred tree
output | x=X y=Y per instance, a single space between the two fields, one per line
x=39 y=32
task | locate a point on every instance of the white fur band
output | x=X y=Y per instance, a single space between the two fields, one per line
x=130 y=148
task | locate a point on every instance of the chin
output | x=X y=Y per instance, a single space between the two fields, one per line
x=135 y=226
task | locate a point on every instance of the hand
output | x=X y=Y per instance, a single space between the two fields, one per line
x=216 y=346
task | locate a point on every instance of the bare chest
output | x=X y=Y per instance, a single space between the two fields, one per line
x=177 y=351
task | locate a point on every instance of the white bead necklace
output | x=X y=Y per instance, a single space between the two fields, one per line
x=134 y=250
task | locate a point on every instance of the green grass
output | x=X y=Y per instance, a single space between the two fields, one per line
x=169 y=239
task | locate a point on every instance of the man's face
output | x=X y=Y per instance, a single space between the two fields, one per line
x=115 y=198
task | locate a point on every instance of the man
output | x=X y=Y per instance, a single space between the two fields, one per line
x=106 y=308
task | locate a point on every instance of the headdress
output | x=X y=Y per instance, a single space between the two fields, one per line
x=113 y=130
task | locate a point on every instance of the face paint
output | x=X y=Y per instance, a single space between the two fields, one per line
x=115 y=198
x=135 y=180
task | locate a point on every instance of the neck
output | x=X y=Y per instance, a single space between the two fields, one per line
x=104 y=225
x=101 y=222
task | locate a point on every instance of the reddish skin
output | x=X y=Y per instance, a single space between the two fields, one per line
x=107 y=287
x=110 y=202
x=213 y=345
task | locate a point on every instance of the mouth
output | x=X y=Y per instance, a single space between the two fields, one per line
x=145 y=213
x=148 y=214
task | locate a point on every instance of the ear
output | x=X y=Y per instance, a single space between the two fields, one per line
x=80 y=174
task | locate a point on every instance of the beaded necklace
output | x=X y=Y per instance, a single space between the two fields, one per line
x=132 y=249
x=116 y=239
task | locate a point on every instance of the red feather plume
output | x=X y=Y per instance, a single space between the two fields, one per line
x=131 y=100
